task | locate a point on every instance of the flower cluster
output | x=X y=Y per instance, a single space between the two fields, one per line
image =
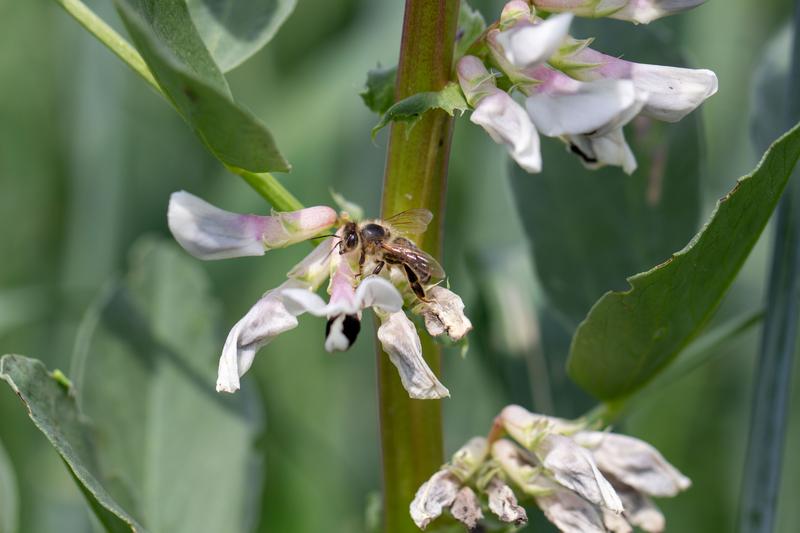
x=571 y=91
x=208 y=232
x=584 y=481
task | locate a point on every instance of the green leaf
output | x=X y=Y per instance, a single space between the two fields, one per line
x=9 y=501
x=470 y=26
x=378 y=94
x=54 y=410
x=450 y=99
x=145 y=371
x=234 y=30
x=590 y=230
x=630 y=336
x=184 y=69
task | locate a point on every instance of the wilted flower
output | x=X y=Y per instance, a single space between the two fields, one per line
x=583 y=480
x=208 y=232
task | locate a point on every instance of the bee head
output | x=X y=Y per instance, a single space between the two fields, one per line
x=349 y=238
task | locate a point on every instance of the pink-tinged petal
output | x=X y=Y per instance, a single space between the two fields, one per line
x=646 y=11
x=400 y=341
x=208 y=232
x=563 y=106
x=268 y=318
x=525 y=45
x=514 y=11
x=475 y=79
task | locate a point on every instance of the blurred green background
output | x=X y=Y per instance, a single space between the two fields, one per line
x=89 y=155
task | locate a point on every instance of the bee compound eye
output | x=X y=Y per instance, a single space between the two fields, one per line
x=351 y=240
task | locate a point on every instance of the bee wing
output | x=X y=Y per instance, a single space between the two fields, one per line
x=415 y=258
x=410 y=222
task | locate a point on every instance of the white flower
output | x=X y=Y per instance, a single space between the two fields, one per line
x=443 y=313
x=208 y=232
x=495 y=111
x=399 y=339
x=597 y=150
x=436 y=494
x=672 y=92
x=638 y=11
x=569 y=512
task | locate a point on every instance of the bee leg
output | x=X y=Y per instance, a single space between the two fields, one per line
x=378 y=268
x=361 y=260
x=413 y=281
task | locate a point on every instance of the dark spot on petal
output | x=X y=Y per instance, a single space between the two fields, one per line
x=575 y=150
x=350 y=327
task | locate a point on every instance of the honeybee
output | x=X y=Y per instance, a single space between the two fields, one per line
x=384 y=242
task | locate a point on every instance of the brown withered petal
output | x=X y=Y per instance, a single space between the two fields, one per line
x=574 y=468
x=467 y=508
x=570 y=513
x=634 y=462
x=444 y=314
x=503 y=503
x=436 y=494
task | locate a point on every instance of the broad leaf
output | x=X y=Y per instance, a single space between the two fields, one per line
x=166 y=38
x=629 y=336
x=450 y=99
x=378 y=94
x=145 y=373
x=9 y=501
x=51 y=404
x=234 y=30
x=590 y=230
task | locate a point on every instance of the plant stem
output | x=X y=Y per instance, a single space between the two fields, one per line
x=415 y=176
x=263 y=183
x=762 y=470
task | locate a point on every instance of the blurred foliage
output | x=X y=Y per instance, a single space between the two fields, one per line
x=89 y=155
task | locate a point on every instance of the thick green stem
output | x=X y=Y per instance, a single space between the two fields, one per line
x=415 y=176
x=263 y=183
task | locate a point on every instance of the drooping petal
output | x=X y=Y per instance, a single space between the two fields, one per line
x=525 y=44
x=507 y=123
x=499 y=114
x=444 y=314
x=569 y=512
x=574 y=468
x=208 y=232
x=563 y=106
x=400 y=341
x=610 y=148
x=466 y=508
x=378 y=293
x=268 y=318
x=641 y=511
x=503 y=503
x=436 y=494
x=634 y=463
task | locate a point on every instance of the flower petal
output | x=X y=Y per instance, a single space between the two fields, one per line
x=433 y=497
x=574 y=468
x=610 y=148
x=570 y=513
x=266 y=319
x=466 y=508
x=467 y=459
x=525 y=45
x=672 y=92
x=646 y=11
x=315 y=267
x=634 y=463
x=507 y=123
x=444 y=314
x=529 y=428
x=379 y=293
x=208 y=232
x=341 y=332
x=563 y=106
x=503 y=503
x=400 y=341
x=641 y=511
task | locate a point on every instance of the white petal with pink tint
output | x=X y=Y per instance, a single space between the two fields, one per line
x=526 y=44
